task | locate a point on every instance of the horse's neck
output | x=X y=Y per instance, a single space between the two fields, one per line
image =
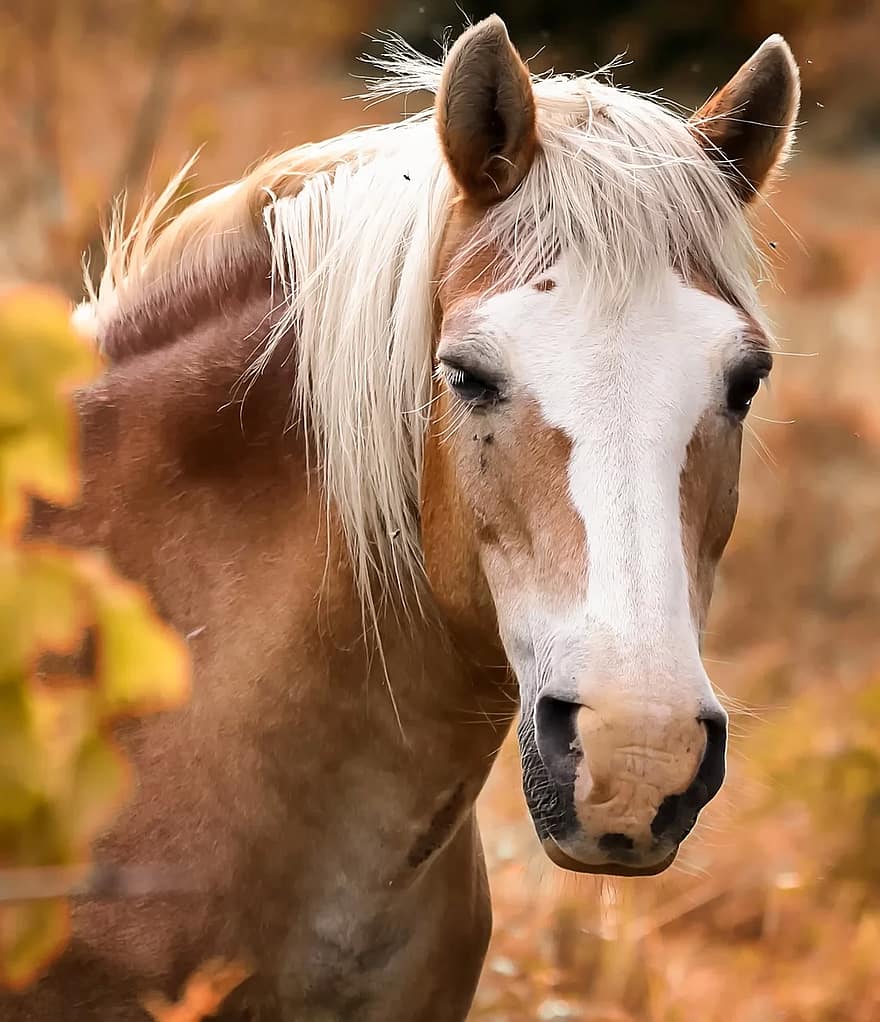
x=206 y=501
x=291 y=783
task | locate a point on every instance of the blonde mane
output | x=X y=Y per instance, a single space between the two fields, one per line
x=350 y=230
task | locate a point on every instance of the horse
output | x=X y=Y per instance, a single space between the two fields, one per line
x=410 y=432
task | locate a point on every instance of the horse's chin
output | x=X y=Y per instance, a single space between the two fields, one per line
x=608 y=867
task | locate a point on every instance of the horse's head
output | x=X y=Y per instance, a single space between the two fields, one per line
x=599 y=346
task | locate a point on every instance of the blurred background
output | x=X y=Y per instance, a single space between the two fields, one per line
x=773 y=911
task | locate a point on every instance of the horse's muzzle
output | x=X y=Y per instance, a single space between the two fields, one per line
x=628 y=781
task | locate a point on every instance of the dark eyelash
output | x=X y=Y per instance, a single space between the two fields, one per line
x=468 y=385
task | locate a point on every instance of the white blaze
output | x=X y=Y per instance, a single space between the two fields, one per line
x=628 y=394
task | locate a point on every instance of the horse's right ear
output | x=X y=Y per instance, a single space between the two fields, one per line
x=486 y=113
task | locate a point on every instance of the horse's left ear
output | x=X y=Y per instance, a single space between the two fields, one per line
x=486 y=113
x=748 y=126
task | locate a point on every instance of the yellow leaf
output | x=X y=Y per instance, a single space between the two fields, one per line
x=41 y=358
x=84 y=777
x=41 y=604
x=30 y=935
x=21 y=763
x=143 y=665
x=98 y=782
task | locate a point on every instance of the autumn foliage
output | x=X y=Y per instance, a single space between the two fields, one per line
x=61 y=777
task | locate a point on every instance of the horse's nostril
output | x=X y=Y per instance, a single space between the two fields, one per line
x=678 y=813
x=615 y=844
x=556 y=737
x=711 y=772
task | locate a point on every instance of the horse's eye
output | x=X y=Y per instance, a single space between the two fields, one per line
x=468 y=385
x=742 y=385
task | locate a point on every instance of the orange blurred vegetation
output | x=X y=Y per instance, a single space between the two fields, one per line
x=204 y=993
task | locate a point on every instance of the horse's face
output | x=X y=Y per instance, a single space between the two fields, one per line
x=594 y=460
x=598 y=463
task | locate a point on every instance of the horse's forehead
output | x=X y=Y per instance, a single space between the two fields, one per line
x=601 y=368
x=475 y=277
x=563 y=320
